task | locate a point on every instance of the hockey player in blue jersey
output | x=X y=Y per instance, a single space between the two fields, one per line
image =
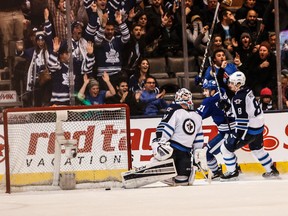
x=224 y=121
x=249 y=119
x=182 y=128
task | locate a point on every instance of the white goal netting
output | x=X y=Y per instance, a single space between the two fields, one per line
x=99 y=133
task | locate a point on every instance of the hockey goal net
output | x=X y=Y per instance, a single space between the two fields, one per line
x=99 y=134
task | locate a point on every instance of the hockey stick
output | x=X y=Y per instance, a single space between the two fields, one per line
x=220 y=94
x=207 y=177
x=209 y=39
x=228 y=3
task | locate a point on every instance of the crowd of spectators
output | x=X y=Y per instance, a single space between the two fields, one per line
x=112 y=42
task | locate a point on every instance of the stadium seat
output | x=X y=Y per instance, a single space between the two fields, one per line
x=169 y=84
x=158 y=67
x=176 y=64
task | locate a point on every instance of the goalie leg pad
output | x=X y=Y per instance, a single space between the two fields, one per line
x=151 y=173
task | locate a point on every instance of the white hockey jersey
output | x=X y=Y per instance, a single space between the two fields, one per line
x=182 y=128
x=248 y=114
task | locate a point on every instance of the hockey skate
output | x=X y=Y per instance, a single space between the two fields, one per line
x=175 y=182
x=216 y=176
x=170 y=181
x=230 y=176
x=273 y=174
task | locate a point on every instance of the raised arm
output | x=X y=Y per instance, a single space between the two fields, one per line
x=81 y=93
x=111 y=90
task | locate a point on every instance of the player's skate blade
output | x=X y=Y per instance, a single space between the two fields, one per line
x=230 y=176
x=274 y=174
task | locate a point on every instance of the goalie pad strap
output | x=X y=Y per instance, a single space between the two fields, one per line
x=151 y=173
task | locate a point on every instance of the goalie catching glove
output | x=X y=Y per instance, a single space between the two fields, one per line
x=161 y=149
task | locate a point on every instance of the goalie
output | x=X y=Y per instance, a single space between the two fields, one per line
x=177 y=135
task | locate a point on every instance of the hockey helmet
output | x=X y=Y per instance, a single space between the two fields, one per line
x=184 y=96
x=236 y=78
x=211 y=85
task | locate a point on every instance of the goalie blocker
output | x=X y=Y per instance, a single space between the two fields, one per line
x=151 y=173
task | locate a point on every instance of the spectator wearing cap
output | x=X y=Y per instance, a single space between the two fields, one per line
x=266 y=101
x=95 y=95
x=58 y=64
x=196 y=28
x=261 y=71
x=191 y=9
x=79 y=45
x=37 y=57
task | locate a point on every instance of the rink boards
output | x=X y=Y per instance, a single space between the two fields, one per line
x=143 y=131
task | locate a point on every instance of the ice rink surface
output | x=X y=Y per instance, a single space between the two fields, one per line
x=250 y=196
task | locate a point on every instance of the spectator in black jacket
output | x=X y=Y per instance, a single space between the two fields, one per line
x=262 y=70
x=132 y=99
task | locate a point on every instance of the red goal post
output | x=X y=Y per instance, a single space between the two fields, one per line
x=101 y=134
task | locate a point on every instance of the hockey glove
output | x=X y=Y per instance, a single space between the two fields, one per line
x=161 y=149
x=198 y=80
x=223 y=104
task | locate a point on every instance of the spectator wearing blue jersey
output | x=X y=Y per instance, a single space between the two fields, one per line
x=58 y=64
x=224 y=121
x=95 y=94
x=109 y=47
x=220 y=62
x=223 y=69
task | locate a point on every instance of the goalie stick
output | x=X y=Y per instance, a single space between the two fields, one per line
x=151 y=173
x=197 y=164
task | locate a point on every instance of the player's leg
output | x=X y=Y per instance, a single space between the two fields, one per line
x=263 y=157
x=230 y=159
x=184 y=169
x=150 y=173
x=213 y=148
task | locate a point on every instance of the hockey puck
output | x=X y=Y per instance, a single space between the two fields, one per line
x=107 y=189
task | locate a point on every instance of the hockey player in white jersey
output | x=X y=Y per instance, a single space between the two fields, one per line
x=249 y=128
x=177 y=135
x=182 y=128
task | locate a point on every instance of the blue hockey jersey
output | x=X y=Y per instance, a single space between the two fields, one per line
x=209 y=108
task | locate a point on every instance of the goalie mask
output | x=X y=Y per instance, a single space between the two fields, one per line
x=161 y=149
x=184 y=96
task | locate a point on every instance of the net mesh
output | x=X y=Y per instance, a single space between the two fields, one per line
x=101 y=135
